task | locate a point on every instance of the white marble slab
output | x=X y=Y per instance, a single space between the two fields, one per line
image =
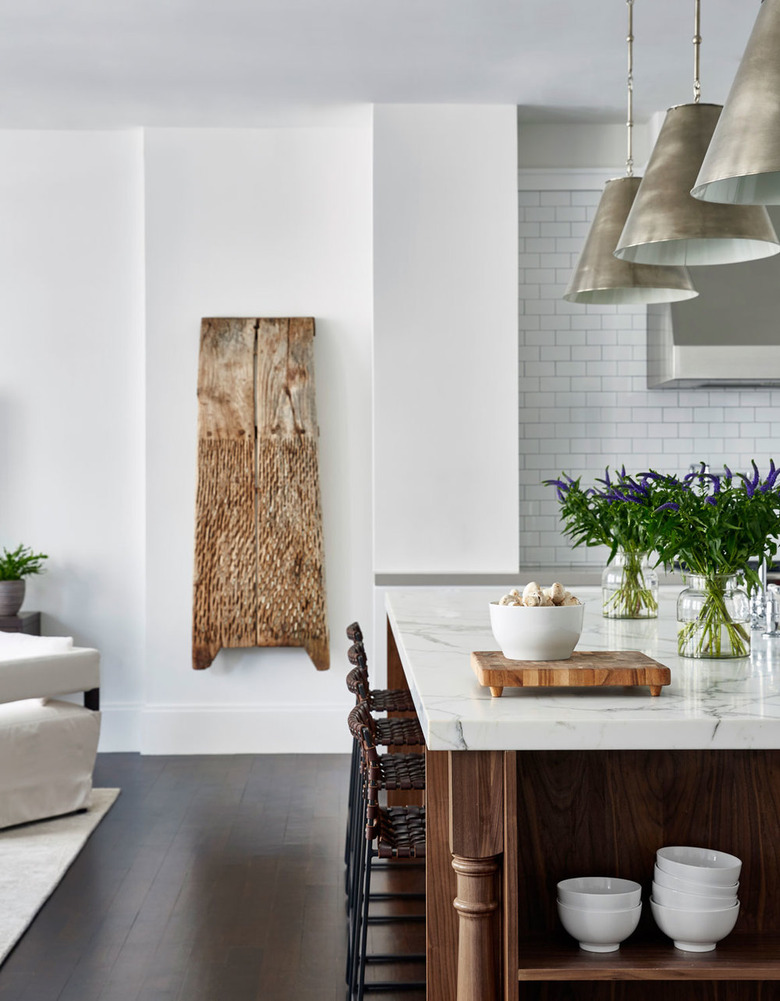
x=709 y=704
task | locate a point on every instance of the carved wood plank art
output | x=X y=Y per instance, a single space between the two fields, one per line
x=259 y=555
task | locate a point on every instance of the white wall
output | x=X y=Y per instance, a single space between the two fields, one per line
x=72 y=387
x=445 y=339
x=114 y=245
x=271 y=222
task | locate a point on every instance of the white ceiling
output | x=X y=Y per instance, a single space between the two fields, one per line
x=117 y=63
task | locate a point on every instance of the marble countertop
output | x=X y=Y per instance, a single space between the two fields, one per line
x=709 y=704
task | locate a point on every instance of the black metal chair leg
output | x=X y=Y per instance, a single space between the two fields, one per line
x=351 y=801
x=364 y=928
x=354 y=820
x=354 y=911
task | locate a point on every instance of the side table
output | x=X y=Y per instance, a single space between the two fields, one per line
x=24 y=622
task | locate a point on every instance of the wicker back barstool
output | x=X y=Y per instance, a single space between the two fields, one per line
x=392 y=732
x=390 y=833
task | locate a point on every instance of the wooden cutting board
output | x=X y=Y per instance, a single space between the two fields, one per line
x=583 y=669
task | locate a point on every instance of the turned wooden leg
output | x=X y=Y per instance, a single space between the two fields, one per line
x=476 y=904
x=655 y=689
x=477 y=842
x=496 y=691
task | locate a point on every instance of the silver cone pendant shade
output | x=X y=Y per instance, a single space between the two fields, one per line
x=742 y=165
x=600 y=278
x=667 y=225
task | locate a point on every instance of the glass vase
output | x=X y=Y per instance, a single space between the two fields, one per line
x=713 y=617
x=629 y=587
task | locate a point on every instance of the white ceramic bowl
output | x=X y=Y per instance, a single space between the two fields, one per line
x=599 y=893
x=695 y=931
x=690 y=901
x=599 y=931
x=725 y=893
x=545 y=633
x=700 y=865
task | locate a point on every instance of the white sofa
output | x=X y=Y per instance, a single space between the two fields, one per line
x=47 y=745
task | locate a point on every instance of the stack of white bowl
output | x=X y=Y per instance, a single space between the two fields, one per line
x=694 y=899
x=599 y=911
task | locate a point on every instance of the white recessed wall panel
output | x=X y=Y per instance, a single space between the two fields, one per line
x=265 y=222
x=72 y=393
x=445 y=339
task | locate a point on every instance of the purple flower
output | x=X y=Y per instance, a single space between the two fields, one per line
x=668 y=506
x=771 y=477
x=711 y=499
x=605 y=479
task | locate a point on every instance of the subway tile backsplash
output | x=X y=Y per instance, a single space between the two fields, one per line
x=584 y=401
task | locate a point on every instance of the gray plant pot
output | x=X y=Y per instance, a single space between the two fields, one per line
x=11 y=596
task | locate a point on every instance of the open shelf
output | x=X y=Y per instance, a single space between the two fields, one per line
x=738 y=957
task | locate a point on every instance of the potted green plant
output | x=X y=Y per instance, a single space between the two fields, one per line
x=15 y=565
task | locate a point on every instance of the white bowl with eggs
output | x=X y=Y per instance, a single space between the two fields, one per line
x=537 y=631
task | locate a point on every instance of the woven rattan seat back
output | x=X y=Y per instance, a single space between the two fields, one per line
x=357 y=683
x=354 y=633
x=357 y=655
x=400 y=830
x=363 y=728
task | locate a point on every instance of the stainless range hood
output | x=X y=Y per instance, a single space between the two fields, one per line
x=728 y=336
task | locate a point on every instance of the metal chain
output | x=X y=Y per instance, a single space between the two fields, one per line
x=630 y=81
x=696 y=51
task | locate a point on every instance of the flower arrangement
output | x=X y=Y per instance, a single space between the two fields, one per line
x=712 y=525
x=615 y=514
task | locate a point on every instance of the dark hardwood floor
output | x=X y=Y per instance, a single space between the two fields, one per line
x=212 y=878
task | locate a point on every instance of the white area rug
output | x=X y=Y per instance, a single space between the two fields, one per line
x=35 y=857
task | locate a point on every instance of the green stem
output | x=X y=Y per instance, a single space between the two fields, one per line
x=633 y=599
x=713 y=633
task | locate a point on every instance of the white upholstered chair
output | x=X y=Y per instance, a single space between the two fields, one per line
x=47 y=745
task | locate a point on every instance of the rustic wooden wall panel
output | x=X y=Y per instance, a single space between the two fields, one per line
x=259 y=555
x=225 y=591
x=290 y=560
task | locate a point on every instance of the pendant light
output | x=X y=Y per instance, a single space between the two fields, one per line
x=742 y=165
x=600 y=278
x=666 y=224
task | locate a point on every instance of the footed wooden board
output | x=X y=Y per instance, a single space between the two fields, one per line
x=583 y=669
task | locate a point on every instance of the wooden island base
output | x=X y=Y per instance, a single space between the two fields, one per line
x=506 y=826
x=605 y=813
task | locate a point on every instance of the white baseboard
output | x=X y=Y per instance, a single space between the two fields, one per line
x=274 y=729
x=120 y=728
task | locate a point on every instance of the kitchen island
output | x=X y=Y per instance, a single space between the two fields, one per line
x=543 y=784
